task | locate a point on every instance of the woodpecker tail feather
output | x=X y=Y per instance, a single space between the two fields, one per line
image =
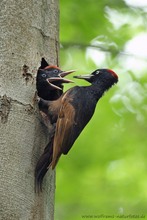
x=42 y=166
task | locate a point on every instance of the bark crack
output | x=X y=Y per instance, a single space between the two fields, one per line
x=41 y=31
x=5 y=106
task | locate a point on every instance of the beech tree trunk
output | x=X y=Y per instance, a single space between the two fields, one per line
x=29 y=31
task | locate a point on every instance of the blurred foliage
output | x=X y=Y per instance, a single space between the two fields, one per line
x=105 y=173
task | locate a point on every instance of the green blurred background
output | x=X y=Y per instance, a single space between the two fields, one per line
x=105 y=173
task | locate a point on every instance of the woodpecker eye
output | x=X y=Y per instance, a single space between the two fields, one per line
x=97 y=72
x=56 y=71
x=43 y=75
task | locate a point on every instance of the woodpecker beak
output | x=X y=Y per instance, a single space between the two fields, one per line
x=52 y=80
x=58 y=79
x=65 y=73
x=86 y=77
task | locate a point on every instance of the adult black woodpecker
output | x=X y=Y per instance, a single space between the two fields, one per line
x=49 y=81
x=74 y=109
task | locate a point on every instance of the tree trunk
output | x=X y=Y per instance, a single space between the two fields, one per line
x=29 y=31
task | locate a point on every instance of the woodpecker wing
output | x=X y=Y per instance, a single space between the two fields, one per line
x=72 y=119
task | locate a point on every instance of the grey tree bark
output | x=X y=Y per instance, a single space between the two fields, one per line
x=29 y=31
